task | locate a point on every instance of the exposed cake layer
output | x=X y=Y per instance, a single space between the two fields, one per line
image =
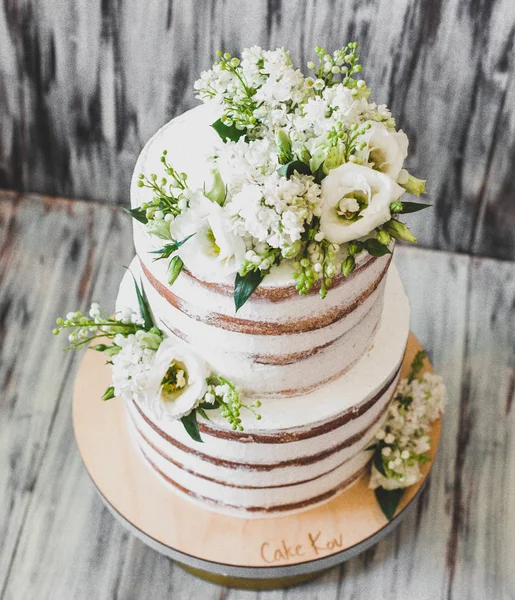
x=302 y=452
x=273 y=337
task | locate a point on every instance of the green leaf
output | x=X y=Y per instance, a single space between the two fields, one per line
x=208 y=406
x=319 y=174
x=108 y=394
x=375 y=248
x=378 y=461
x=416 y=365
x=137 y=213
x=288 y=169
x=202 y=413
x=244 y=287
x=144 y=306
x=191 y=426
x=174 y=269
x=411 y=207
x=169 y=249
x=228 y=132
x=388 y=501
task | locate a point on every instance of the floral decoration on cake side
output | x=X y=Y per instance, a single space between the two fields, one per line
x=403 y=442
x=164 y=376
x=307 y=170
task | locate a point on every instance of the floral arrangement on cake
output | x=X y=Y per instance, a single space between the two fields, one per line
x=307 y=170
x=163 y=375
x=403 y=442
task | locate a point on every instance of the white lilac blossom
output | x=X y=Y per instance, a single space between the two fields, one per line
x=403 y=442
x=132 y=363
x=304 y=166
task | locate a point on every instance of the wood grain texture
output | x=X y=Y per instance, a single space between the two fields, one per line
x=58 y=542
x=83 y=85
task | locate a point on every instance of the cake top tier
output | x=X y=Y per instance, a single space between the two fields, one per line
x=278 y=176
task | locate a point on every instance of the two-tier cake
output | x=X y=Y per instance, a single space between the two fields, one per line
x=259 y=334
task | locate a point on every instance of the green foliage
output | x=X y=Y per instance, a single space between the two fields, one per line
x=169 y=249
x=293 y=166
x=191 y=426
x=244 y=286
x=417 y=365
x=375 y=248
x=411 y=207
x=139 y=214
x=143 y=303
x=228 y=132
x=388 y=500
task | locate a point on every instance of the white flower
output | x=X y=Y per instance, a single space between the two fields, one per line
x=409 y=474
x=94 y=311
x=385 y=149
x=176 y=382
x=214 y=250
x=132 y=363
x=373 y=191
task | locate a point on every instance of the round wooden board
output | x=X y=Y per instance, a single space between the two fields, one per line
x=254 y=553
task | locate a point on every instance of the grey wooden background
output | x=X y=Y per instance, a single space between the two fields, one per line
x=83 y=84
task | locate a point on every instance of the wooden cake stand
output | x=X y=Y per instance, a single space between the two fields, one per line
x=261 y=553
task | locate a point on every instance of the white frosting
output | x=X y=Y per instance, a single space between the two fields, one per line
x=325 y=370
x=280 y=415
x=239 y=356
x=234 y=500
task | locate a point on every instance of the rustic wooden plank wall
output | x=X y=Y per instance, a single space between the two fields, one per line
x=84 y=84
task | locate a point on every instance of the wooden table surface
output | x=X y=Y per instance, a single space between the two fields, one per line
x=57 y=541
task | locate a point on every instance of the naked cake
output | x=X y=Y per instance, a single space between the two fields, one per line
x=259 y=335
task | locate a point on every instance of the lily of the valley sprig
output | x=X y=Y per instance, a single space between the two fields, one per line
x=163 y=375
x=307 y=170
x=403 y=442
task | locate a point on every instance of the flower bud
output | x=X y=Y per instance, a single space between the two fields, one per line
x=354 y=248
x=174 y=269
x=414 y=186
x=349 y=264
x=399 y=231
x=384 y=238
x=100 y=347
x=216 y=192
x=108 y=394
x=293 y=250
x=283 y=141
x=159 y=228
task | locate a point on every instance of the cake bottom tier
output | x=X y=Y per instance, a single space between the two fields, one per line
x=304 y=450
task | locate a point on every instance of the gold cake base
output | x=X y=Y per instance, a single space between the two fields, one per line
x=248 y=553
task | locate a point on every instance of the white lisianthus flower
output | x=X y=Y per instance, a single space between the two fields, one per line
x=176 y=381
x=372 y=191
x=386 y=149
x=214 y=250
